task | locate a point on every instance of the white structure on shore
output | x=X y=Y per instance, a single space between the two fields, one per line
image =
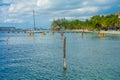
x=118 y=13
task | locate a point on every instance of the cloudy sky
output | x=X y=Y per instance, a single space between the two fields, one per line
x=19 y=13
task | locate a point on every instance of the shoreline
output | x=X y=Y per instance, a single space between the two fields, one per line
x=110 y=32
x=87 y=31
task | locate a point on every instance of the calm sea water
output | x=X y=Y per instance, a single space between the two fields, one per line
x=41 y=58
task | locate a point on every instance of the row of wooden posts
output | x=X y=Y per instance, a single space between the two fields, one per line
x=64 y=47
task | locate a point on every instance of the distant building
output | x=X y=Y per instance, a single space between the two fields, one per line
x=7 y=29
x=118 y=13
x=56 y=28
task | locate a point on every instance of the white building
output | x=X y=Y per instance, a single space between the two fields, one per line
x=118 y=13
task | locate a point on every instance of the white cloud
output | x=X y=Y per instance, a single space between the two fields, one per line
x=16 y=7
x=30 y=5
x=83 y=10
x=85 y=3
x=4 y=12
x=21 y=10
x=7 y=1
x=86 y=10
x=101 y=1
x=44 y=4
x=12 y=21
x=72 y=18
x=21 y=7
x=11 y=1
x=26 y=7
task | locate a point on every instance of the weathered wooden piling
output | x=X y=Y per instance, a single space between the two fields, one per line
x=62 y=34
x=82 y=34
x=64 y=53
x=8 y=42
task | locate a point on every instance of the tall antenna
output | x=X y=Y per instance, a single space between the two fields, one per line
x=34 y=19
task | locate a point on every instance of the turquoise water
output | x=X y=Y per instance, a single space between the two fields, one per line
x=41 y=58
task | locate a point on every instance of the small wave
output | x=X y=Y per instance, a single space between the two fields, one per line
x=2 y=40
x=20 y=59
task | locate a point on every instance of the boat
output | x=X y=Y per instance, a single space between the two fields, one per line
x=43 y=34
x=31 y=34
x=101 y=35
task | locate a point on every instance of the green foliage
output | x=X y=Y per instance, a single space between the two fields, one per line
x=95 y=23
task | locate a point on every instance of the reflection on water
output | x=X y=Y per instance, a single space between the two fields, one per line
x=113 y=37
x=90 y=58
x=107 y=37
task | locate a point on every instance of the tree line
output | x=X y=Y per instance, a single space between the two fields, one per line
x=94 y=23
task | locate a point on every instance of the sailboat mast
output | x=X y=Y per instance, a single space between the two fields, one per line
x=34 y=19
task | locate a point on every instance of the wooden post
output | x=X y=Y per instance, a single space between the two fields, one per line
x=82 y=34
x=64 y=53
x=7 y=43
x=62 y=34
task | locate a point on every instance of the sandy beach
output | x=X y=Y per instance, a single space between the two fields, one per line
x=110 y=32
x=87 y=31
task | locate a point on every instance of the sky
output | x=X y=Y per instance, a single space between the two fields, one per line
x=19 y=13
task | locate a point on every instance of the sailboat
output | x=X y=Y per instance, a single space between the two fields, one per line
x=31 y=34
